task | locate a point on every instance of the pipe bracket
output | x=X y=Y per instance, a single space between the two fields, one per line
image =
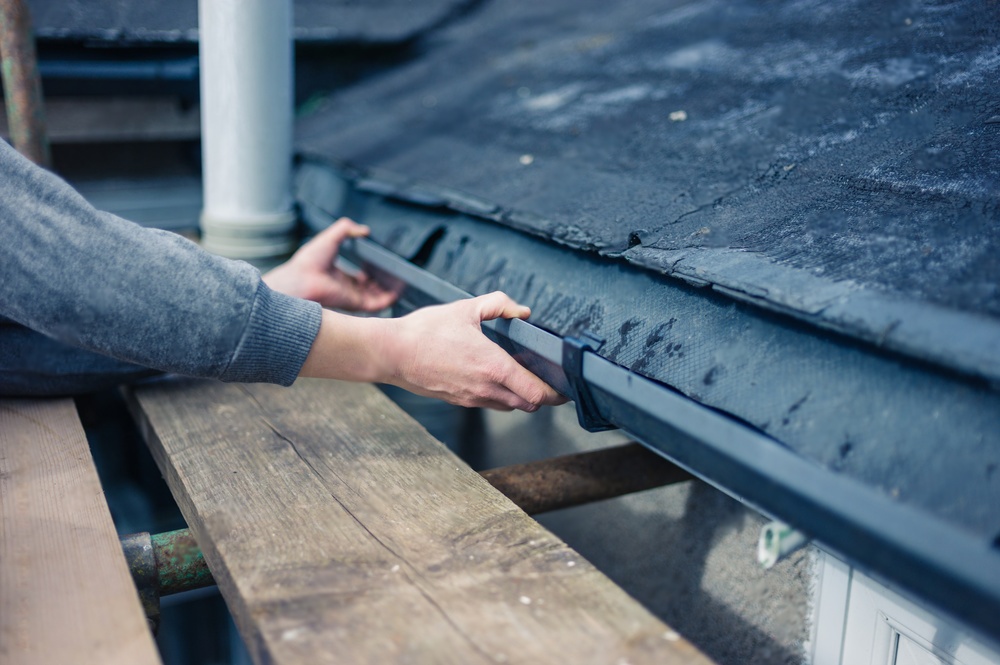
x=587 y=411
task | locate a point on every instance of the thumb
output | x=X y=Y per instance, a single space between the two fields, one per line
x=499 y=305
x=322 y=250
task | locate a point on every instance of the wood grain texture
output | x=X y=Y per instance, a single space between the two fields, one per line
x=65 y=591
x=340 y=532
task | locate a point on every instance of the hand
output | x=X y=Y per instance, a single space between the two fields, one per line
x=437 y=351
x=310 y=274
x=442 y=352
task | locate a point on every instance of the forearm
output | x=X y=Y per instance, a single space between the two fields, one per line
x=349 y=348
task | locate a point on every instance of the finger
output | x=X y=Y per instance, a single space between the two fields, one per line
x=345 y=227
x=502 y=399
x=499 y=305
x=359 y=294
x=532 y=389
x=518 y=387
x=499 y=400
x=321 y=251
x=494 y=405
x=374 y=300
x=365 y=294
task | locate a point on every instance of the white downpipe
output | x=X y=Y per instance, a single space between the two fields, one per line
x=245 y=52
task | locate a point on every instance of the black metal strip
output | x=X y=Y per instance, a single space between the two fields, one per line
x=909 y=550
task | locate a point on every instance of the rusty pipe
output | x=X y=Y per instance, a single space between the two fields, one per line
x=168 y=562
x=164 y=564
x=573 y=480
x=21 y=83
x=180 y=564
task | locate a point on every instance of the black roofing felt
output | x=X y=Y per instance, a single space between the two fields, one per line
x=836 y=161
x=156 y=22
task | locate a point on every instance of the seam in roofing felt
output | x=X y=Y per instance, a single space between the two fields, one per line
x=958 y=341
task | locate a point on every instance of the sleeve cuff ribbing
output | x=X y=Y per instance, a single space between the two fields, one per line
x=277 y=338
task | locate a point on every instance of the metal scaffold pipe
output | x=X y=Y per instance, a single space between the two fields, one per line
x=180 y=565
x=163 y=564
x=245 y=53
x=21 y=83
x=574 y=480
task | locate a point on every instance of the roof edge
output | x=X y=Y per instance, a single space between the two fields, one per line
x=961 y=342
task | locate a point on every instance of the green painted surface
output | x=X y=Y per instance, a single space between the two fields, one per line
x=180 y=563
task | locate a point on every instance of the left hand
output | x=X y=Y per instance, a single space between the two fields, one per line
x=311 y=274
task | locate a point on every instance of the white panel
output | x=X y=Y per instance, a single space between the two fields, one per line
x=908 y=652
x=883 y=628
x=833 y=579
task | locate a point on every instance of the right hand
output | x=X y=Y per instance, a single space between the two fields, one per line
x=441 y=352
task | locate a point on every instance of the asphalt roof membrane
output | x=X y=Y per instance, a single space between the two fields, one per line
x=834 y=161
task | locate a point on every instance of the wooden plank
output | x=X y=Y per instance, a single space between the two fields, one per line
x=65 y=591
x=340 y=531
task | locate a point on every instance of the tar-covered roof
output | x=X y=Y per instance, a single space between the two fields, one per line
x=837 y=161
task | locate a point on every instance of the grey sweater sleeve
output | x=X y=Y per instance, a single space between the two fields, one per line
x=141 y=296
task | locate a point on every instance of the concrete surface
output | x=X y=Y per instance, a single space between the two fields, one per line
x=687 y=552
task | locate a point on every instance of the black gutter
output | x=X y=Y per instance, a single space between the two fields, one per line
x=905 y=548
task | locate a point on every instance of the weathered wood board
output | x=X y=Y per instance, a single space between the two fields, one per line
x=339 y=531
x=65 y=591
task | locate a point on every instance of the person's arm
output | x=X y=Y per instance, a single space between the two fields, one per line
x=151 y=299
